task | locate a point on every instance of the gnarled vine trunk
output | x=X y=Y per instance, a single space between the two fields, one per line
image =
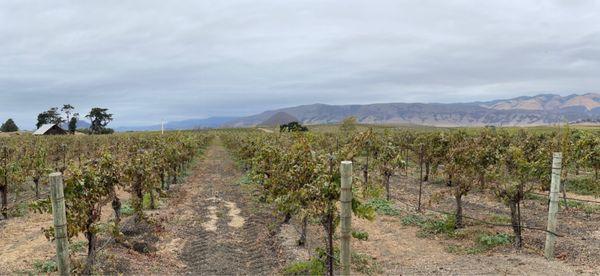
x=515 y=219
x=459 y=210
x=4 y=195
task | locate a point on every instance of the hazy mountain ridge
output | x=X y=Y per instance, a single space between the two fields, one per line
x=542 y=109
x=211 y=122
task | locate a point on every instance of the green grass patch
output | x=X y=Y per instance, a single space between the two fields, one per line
x=126 y=209
x=445 y=226
x=588 y=208
x=483 y=243
x=384 y=207
x=18 y=210
x=47 y=266
x=491 y=241
x=584 y=186
x=360 y=235
x=310 y=267
x=365 y=264
x=413 y=220
x=500 y=219
x=246 y=179
x=77 y=246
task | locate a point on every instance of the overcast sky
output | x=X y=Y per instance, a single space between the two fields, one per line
x=147 y=60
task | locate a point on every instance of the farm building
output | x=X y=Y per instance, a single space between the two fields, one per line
x=50 y=129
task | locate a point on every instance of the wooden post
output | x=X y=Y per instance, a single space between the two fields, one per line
x=60 y=223
x=553 y=208
x=346 y=217
x=420 y=177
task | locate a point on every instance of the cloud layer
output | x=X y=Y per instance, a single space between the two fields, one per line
x=147 y=60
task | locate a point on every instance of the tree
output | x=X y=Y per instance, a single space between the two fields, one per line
x=292 y=127
x=68 y=110
x=99 y=118
x=52 y=116
x=348 y=125
x=73 y=123
x=9 y=126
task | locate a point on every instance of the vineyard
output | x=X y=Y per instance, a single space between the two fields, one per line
x=476 y=191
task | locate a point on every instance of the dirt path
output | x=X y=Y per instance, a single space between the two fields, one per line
x=222 y=231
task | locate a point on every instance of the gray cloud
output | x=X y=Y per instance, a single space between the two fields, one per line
x=147 y=60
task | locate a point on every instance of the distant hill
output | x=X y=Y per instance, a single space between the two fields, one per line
x=80 y=124
x=542 y=109
x=211 y=122
x=279 y=118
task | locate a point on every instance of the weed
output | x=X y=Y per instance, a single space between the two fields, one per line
x=584 y=186
x=490 y=241
x=47 y=266
x=414 y=220
x=365 y=264
x=78 y=246
x=19 y=210
x=500 y=219
x=126 y=209
x=310 y=267
x=360 y=235
x=435 y=226
x=384 y=207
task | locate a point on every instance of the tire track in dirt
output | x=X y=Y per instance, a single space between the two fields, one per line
x=231 y=236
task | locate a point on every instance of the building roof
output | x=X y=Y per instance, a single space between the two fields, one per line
x=44 y=128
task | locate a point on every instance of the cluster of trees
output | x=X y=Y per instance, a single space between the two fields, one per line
x=93 y=168
x=298 y=171
x=9 y=126
x=292 y=127
x=99 y=119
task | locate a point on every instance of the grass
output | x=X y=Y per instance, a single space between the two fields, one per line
x=310 y=267
x=483 y=243
x=47 y=266
x=384 y=207
x=126 y=209
x=500 y=219
x=431 y=226
x=588 y=208
x=77 y=247
x=584 y=186
x=19 y=210
x=361 y=263
x=360 y=235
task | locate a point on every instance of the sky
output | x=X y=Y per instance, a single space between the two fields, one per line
x=173 y=60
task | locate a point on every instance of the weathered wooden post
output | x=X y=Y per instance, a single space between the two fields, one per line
x=553 y=208
x=60 y=223
x=420 y=176
x=346 y=217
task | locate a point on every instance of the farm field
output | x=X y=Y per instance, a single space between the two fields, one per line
x=237 y=203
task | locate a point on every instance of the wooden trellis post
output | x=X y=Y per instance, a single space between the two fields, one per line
x=346 y=217
x=553 y=208
x=60 y=223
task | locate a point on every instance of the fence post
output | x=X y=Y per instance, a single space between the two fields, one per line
x=346 y=217
x=60 y=223
x=553 y=207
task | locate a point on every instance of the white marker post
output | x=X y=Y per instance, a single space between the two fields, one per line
x=553 y=208
x=346 y=217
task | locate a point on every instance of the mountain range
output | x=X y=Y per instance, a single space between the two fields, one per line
x=543 y=109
